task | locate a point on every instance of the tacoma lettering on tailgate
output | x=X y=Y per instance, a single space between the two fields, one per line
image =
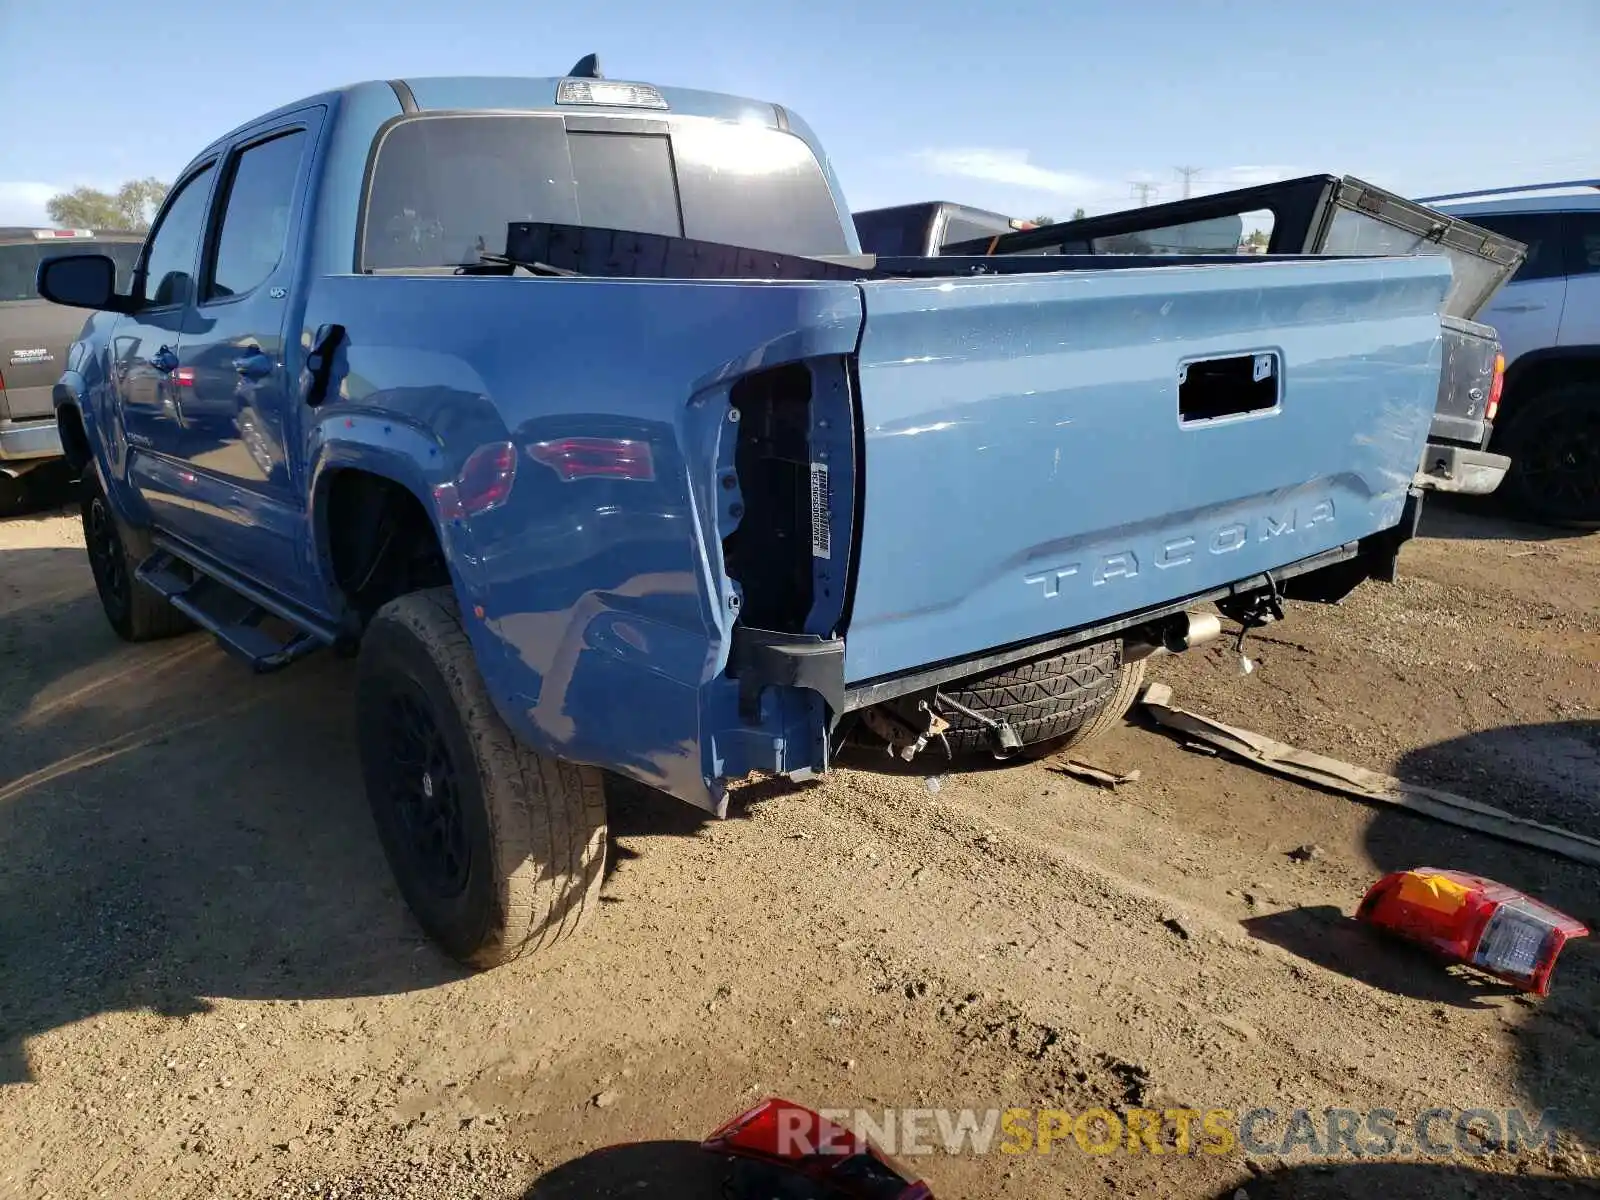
x=1184 y=548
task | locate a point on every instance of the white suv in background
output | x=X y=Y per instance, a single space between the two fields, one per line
x=1548 y=318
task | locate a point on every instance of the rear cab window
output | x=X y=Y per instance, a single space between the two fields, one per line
x=442 y=188
x=966 y=225
x=19 y=262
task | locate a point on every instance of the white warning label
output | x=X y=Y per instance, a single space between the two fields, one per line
x=821 y=535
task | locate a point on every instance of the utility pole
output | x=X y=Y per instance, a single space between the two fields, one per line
x=1188 y=174
x=1143 y=190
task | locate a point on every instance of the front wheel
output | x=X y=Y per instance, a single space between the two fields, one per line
x=137 y=613
x=497 y=849
x=1554 y=444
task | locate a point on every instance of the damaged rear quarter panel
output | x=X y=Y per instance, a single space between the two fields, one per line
x=598 y=607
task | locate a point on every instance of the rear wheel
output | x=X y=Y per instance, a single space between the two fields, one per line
x=497 y=849
x=1554 y=444
x=1052 y=702
x=137 y=613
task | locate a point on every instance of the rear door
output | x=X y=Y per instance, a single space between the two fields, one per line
x=1526 y=312
x=35 y=334
x=1580 y=313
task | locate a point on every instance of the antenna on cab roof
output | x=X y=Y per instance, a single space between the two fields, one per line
x=587 y=67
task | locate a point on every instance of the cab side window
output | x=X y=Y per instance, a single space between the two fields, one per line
x=174 y=247
x=255 y=218
x=1540 y=232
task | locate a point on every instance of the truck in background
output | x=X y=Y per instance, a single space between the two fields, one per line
x=923 y=229
x=34 y=336
x=1327 y=214
x=1548 y=319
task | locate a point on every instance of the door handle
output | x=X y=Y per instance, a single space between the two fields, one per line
x=165 y=359
x=253 y=364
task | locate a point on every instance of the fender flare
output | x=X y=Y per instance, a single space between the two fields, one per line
x=69 y=393
x=373 y=445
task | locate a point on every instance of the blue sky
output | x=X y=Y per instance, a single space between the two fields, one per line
x=1036 y=108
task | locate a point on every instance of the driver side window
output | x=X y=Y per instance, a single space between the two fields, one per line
x=174 y=246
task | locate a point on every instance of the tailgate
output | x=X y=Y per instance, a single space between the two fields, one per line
x=1027 y=468
x=1466 y=381
x=34 y=336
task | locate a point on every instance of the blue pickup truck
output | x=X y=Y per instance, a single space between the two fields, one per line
x=571 y=409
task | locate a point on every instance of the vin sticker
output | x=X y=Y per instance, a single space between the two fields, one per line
x=821 y=535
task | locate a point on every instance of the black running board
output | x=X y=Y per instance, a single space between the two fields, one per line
x=231 y=610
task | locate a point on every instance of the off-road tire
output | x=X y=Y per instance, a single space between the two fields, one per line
x=1051 y=702
x=1553 y=439
x=518 y=865
x=15 y=495
x=1130 y=682
x=137 y=613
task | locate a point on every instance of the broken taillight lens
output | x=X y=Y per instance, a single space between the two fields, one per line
x=484 y=483
x=1469 y=919
x=1496 y=386
x=574 y=458
x=780 y=1131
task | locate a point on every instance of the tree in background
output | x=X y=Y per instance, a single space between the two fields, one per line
x=1044 y=220
x=1257 y=240
x=132 y=206
x=1078 y=214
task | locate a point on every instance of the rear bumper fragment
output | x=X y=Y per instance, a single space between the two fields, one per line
x=35 y=438
x=1461 y=469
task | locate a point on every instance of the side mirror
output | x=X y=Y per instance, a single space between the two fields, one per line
x=82 y=281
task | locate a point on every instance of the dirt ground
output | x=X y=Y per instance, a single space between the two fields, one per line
x=210 y=986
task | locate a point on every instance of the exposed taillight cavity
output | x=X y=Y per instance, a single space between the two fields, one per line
x=1497 y=386
x=575 y=458
x=771 y=553
x=484 y=483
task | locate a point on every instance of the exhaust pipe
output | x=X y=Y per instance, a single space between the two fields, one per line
x=1174 y=635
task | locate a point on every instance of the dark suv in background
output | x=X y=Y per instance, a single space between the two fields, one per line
x=1548 y=317
x=34 y=337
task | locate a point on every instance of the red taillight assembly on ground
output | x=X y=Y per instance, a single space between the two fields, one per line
x=484 y=483
x=574 y=458
x=1469 y=919
x=780 y=1131
x=1496 y=386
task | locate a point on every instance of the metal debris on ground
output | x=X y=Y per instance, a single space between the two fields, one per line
x=1091 y=774
x=1363 y=784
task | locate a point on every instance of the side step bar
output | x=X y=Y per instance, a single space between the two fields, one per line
x=231 y=614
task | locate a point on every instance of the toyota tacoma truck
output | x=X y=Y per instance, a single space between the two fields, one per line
x=570 y=407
